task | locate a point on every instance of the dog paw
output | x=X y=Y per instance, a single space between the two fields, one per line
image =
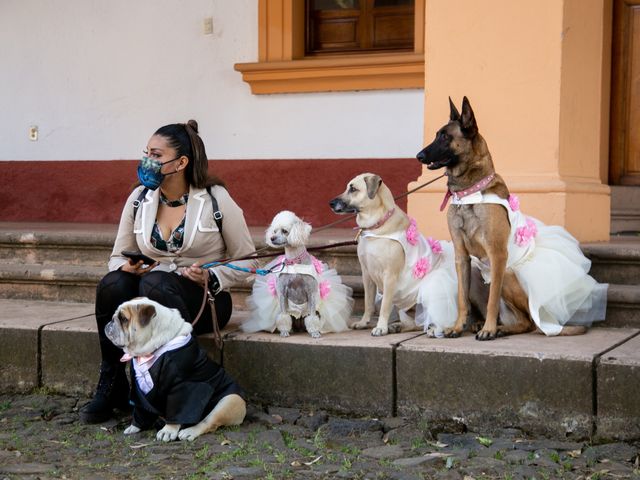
x=189 y=434
x=284 y=333
x=131 y=430
x=315 y=334
x=168 y=433
x=451 y=333
x=379 y=331
x=360 y=325
x=485 y=335
x=395 y=327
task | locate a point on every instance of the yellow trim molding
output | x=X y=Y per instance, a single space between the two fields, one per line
x=282 y=67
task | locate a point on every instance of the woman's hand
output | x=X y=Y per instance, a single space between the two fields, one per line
x=195 y=274
x=136 y=267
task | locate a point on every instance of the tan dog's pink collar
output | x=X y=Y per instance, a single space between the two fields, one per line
x=382 y=221
x=467 y=191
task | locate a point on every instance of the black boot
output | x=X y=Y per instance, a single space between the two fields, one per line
x=112 y=392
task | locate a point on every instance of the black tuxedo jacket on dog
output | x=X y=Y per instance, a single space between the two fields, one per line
x=187 y=385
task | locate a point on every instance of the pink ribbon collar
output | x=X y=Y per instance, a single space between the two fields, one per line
x=467 y=191
x=383 y=220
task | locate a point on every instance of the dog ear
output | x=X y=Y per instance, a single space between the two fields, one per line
x=145 y=313
x=373 y=184
x=454 y=115
x=299 y=233
x=468 y=119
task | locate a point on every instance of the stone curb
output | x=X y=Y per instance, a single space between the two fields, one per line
x=574 y=387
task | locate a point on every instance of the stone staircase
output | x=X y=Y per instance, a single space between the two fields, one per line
x=64 y=262
x=565 y=386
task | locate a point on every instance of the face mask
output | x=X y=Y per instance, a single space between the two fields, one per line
x=149 y=173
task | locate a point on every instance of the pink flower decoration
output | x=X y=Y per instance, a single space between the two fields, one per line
x=271 y=284
x=435 y=245
x=525 y=233
x=421 y=268
x=514 y=203
x=412 y=232
x=317 y=264
x=325 y=289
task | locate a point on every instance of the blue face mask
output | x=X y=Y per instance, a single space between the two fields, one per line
x=149 y=173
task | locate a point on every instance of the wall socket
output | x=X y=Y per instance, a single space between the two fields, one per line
x=33 y=133
x=207 y=26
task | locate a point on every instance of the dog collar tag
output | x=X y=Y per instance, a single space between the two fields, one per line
x=172 y=266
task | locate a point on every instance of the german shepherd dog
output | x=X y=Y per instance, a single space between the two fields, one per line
x=481 y=230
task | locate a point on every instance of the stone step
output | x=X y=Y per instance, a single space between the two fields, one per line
x=56 y=243
x=582 y=387
x=77 y=283
x=617 y=261
x=82 y=244
x=625 y=209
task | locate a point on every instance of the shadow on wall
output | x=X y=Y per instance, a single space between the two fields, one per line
x=95 y=191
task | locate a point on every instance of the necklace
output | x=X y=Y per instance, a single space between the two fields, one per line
x=174 y=203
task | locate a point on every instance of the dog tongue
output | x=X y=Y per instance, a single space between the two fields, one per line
x=126 y=357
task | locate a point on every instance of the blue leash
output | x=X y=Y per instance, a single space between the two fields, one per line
x=257 y=271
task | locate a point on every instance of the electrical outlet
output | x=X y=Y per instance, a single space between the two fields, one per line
x=33 y=133
x=207 y=26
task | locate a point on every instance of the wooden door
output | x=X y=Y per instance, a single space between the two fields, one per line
x=625 y=94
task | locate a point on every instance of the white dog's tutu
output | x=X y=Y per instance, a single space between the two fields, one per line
x=334 y=307
x=552 y=270
x=428 y=280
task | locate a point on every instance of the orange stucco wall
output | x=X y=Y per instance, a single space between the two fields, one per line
x=536 y=74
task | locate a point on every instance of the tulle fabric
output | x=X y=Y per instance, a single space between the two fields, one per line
x=428 y=281
x=437 y=304
x=335 y=305
x=555 y=275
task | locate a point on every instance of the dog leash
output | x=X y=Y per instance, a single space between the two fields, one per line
x=397 y=197
x=210 y=299
x=257 y=255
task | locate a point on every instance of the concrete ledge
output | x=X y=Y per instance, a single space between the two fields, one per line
x=618 y=387
x=542 y=384
x=348 y=372
x=560 y=387
x=20 y=325
x=70 y=353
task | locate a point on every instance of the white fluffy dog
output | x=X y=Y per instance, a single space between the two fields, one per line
x=302 y=291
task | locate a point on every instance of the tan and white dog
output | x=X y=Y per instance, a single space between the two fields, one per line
x=173 y=377
x=398 y=262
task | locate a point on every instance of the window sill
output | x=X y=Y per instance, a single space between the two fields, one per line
x=339 y=73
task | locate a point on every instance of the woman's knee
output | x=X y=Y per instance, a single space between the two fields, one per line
x=117 y=285
x=157 y=285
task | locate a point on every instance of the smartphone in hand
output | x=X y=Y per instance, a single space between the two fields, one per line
x=137 y=256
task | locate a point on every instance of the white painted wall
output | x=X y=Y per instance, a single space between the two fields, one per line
x=98 y=77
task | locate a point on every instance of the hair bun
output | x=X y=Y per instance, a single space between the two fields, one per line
x=193 y=124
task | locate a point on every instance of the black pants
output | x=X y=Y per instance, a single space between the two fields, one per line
x=168 y=289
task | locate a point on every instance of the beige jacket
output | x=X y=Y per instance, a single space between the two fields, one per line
x=202 y=241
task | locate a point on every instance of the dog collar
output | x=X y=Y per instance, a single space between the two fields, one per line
x=295 y=260
x=467 y=191
x=382 y=221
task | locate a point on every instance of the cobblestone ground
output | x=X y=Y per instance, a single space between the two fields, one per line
x=42 y=438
